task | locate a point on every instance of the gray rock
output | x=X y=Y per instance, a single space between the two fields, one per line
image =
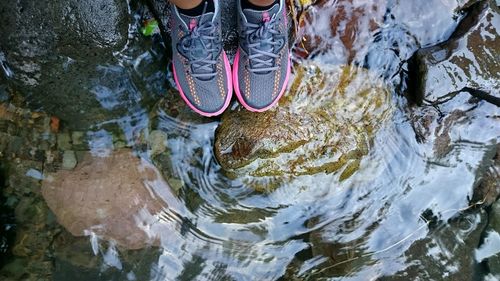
x=51 y=50
x=63 y=141
x=78 y=139
x=71 y=28
x=69 y=160
x=157 y=141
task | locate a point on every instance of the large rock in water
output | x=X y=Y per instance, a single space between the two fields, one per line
x=106 y=195
x=444 y=77
x=381 y=35
x=470 y=58
x=56 y=53
x=325 y=124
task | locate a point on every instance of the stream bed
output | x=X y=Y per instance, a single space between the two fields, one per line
x=381 y=162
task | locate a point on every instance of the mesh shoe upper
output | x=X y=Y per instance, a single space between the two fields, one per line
x=263 y=61
x=201 y=69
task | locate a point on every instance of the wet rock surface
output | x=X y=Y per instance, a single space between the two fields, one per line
x=487 y=187
x=446 y=251
x=51 y=57
x=457 y=83
x=105 y=195
x=488 y=252
x=70 y=28
x=343 y=20
x=324 y=125
x=445 y=78
x=381 y=36
x=469 y=59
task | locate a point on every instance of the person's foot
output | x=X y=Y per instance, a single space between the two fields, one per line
x=262 y=64
x=201 y=69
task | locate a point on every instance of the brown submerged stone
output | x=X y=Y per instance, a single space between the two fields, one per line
x=105 y=195
x=348 y=23
x=325 y=124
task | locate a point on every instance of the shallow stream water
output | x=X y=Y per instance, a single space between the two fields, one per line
x=404 y=214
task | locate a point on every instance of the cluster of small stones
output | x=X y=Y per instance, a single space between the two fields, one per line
x=28 y=147
x=34 y=146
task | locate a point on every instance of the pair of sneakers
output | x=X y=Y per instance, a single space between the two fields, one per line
x=202 y=70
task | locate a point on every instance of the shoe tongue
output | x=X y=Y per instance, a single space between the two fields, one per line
x=191 y=22
x=258 y=17
x=255 y=16
x=199 y=51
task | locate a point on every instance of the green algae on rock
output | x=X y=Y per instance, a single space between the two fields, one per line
x=325 y=124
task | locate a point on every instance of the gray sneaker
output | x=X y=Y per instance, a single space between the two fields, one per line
x=262 y=65
x=201 y=69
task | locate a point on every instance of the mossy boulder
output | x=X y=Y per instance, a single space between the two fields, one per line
x=325 y=124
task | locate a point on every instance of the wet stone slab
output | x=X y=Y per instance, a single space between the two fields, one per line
x=470 y=58
x=105 y=195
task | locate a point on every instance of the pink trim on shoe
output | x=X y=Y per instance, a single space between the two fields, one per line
x=285 y=15
x=236 y=84
x=229 y=89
